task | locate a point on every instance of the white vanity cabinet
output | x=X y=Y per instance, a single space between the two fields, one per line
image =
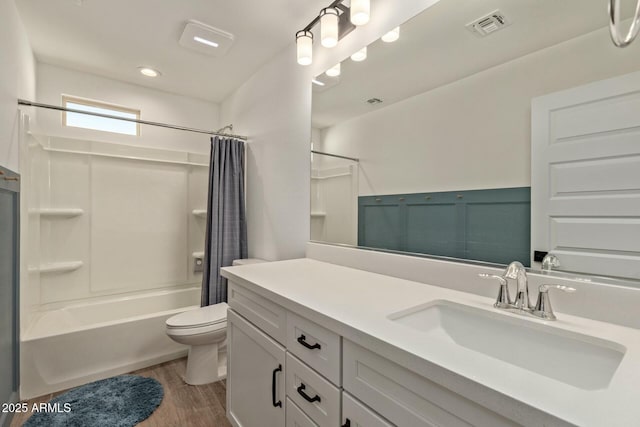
x=286 y=370
x=264 y=337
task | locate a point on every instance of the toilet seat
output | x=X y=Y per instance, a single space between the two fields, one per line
x=209 y=318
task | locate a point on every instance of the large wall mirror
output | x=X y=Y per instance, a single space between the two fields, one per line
x=427 y=139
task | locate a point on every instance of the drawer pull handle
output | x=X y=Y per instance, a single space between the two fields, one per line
x=276 y=404
x=347 y=423
x=304 y=343
x=308 y=398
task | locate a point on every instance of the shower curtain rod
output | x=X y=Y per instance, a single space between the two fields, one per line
x=143 y=122
x=336 y=155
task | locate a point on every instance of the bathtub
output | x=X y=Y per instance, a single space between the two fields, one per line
x=81 y=343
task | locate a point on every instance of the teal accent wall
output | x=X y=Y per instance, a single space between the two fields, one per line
x=485 y=225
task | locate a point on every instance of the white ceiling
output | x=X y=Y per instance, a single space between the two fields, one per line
x=435 y=48
x=112 y=38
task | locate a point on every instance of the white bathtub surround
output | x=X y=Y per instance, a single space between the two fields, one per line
x=356 y=305
x=204 y=330
x=84 y=342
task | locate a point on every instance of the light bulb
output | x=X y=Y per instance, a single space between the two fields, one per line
x=329 y=27
x=360 y=11
x=149 y=72
x=360 y=55
x=304 y=47
x=334 y=71
x=392 y=35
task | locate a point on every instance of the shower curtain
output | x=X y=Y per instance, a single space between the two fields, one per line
x=226 y=235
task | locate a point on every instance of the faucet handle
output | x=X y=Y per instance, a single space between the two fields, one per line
x=543 y=307
x=503 y=300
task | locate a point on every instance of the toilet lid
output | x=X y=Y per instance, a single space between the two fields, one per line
x=202 y=316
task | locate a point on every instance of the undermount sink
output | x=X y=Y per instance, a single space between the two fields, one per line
x=579 y=360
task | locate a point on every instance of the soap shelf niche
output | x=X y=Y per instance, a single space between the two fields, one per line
x=58 y=212
x=57 y=267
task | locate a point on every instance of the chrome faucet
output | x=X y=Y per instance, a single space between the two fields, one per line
x=516 y=271
x=521 y=304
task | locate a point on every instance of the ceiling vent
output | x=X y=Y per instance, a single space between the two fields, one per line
x=488 y=24
x=205 y=39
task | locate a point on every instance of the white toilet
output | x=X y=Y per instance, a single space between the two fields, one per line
x=204 y=330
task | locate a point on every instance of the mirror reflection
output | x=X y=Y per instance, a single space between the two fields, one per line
x=485 y=131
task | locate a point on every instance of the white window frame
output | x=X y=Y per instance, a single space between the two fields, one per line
x=98 y=104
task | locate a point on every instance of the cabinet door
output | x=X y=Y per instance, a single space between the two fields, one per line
x=255 y=377
x=355 y=414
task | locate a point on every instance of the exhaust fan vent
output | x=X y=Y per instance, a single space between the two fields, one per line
x=488 y=24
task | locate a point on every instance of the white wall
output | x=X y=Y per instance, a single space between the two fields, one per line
x=474 y=133
x=274 y=109
x=154 y=105
x=17 y=80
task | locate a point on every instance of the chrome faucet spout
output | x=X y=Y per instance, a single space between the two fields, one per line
x=517 y=271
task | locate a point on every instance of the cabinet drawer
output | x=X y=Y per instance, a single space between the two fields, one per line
x=266 y=315
x=314 y=345
x=297 y=418
x=316 y=396
x=407 y=399
x=355 y=414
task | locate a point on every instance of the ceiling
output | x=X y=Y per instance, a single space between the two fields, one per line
x=113 y=38
x=435 y=48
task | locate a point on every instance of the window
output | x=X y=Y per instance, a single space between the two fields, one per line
x=99 y=123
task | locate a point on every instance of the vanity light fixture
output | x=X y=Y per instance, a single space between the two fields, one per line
x=336 y=21
x=360 y=12
x=392 y=35
x=329 y=26
x=360 y=55
x=149 y=72
x=304 y=47
x=333 y=71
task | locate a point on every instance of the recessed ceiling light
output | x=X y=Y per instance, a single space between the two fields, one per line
x=205 y=41
x=149 y=72
x=317 y=82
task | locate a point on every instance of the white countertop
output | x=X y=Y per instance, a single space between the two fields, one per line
x=355 y=304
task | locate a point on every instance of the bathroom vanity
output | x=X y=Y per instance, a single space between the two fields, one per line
x=316 y=344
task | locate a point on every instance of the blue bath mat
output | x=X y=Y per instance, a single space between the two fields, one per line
x=121 y=401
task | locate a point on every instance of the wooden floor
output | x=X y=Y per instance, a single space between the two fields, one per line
x=183 y=405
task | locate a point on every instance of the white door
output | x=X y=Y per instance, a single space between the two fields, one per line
x=585 y=177
x=255 y=377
